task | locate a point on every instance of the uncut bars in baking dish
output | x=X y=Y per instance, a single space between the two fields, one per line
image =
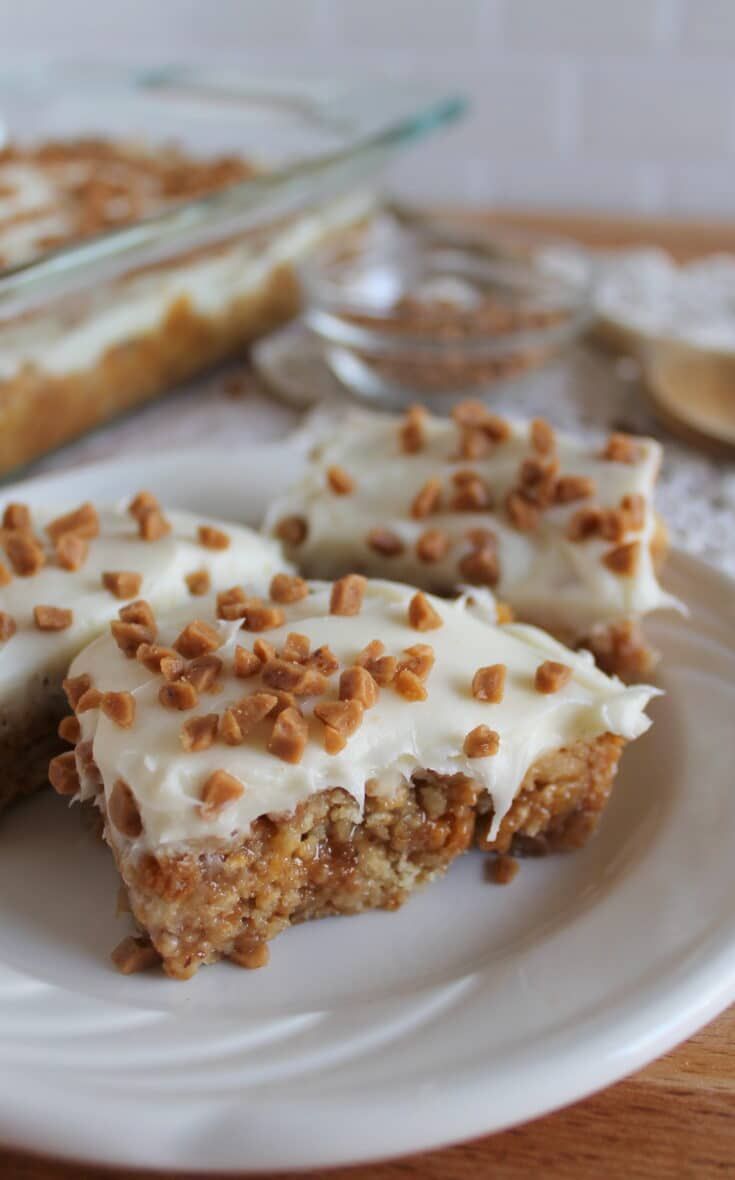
x=67 y=367
x=564 y=531
x=325 y=750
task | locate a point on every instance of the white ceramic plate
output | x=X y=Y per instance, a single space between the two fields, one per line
x=472 y=1008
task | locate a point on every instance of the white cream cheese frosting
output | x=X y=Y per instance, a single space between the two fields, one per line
x=545 y=576
x=32 y=661
x=397 y=736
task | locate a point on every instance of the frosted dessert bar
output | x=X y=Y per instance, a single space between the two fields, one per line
x=72 y=364
x=65 y=574
x=325 y=749
x=563 y=531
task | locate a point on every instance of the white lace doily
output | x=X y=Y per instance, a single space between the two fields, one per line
x=586 y=392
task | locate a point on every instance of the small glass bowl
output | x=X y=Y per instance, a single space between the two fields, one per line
x=403 y=315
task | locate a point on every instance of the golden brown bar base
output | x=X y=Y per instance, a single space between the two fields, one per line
x=39 y=412
x=326 y=858
x=26 y=752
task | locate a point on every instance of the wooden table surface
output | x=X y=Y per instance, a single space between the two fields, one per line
x=674 y=1119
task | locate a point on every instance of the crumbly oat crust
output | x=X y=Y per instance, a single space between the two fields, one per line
x=326 y=858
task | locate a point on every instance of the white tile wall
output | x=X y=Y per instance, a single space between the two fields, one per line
x=601 y=104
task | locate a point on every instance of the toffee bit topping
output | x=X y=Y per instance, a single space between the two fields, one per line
x=356 y=684
x=333 y=740
x=543 y=438
x=339 y=481
x=24 y=554
x=129 y=636
x=198 y=582
x=135 y=954
x=84 y=521
x=473 y=443
x=282 y=674
x=292 y=530
x=407 y=684
x=178 y=694
x=419 y=659
x=212 y=538
x=250 y=711
x=52 y=618
x=62 y=774
x=91 y=699
x=202 y=673
x=613 y=524
x=86 y=763
x=347 y=595
x=371 y=651
x=421 y=614
x=488 y=684
x=17 y=516
x=122 y=583
x=123 y=810
x=292 y=677
x=385 y=542
x=621 y=448
x=231 y=603
x=197 y=639
x=296 y=647
x=138 y=612
x=142 y=503
x=171 y=667
x=537 y=481
x=574 y=487
x=228 y=730
x=634 y=509
x=382 y=668
x=71 y=551
x=324 y=660
x=341 y=719
x=5 y=574
x=219 y=790
x=264 y=651
x=584 y=524
x=119 y=707
x=152 y=525
x=482 y=538
x=151 y=655
x=433 y=545
x=623 y=560
x=284 y=700
x=69 y=730
x=501 y=869
x=551 y=676
x=523 y=515
x=285 y=588
x=8 y=626
x=469 y=412
x=260 y=617
x=495 y=427
x=481 y=742
x=480 y=567
x=411 y=434
x=75 y=687
x=246 y=663
x=289 y=736
x=427 y=500
x=471 y=496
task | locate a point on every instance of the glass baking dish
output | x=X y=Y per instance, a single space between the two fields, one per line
x=94 y=324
